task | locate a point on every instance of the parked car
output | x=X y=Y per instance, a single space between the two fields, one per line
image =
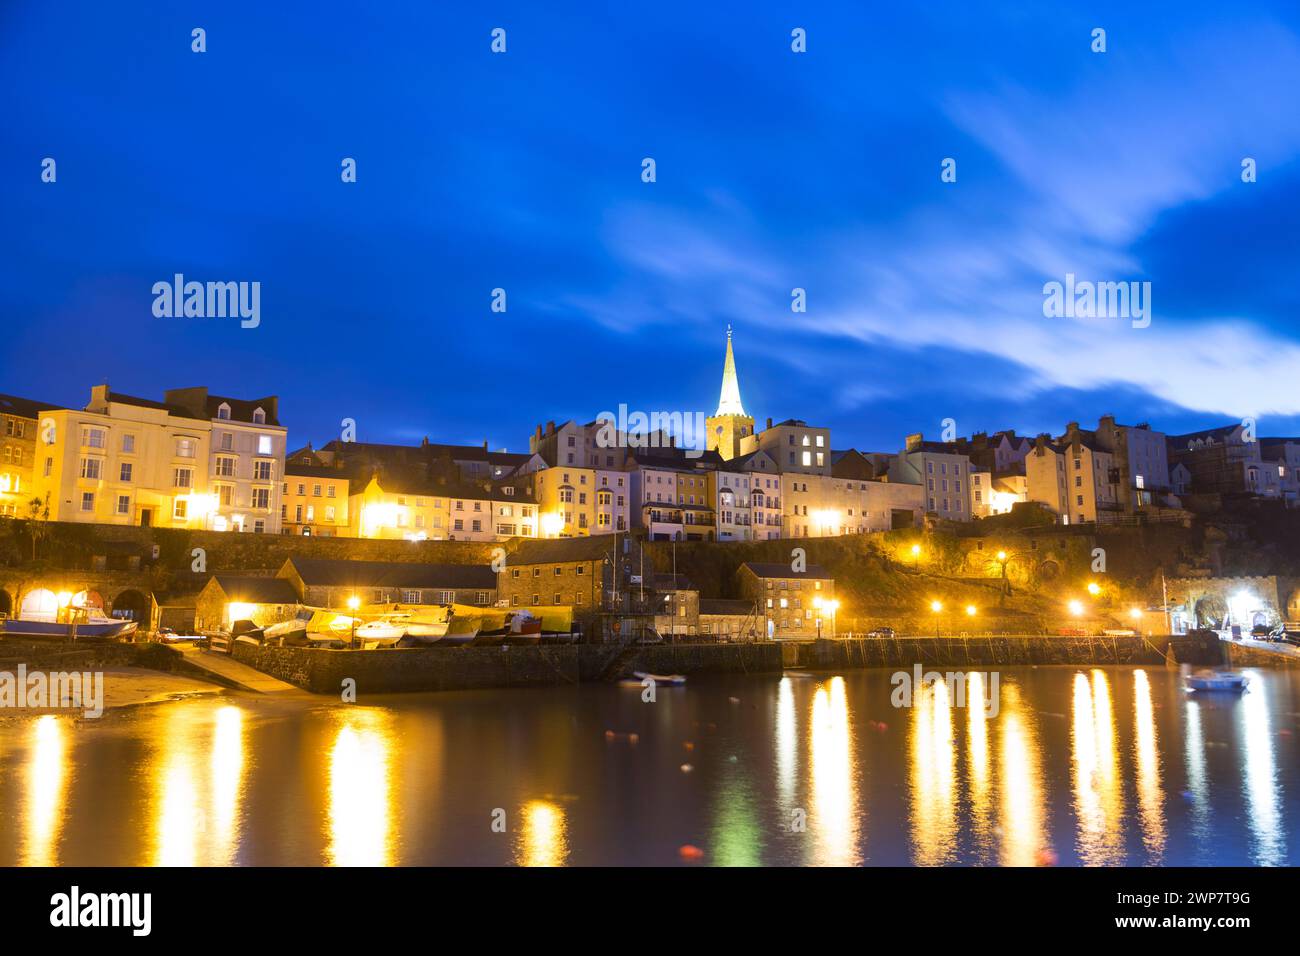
x=1288 y=637
x=882 y=632
x=166 y=635
x=1261 y=632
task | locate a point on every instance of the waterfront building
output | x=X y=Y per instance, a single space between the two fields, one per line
x=227 y=598
x=794 y=604
x=21 y=420
x=1284 y=454
x=575 y=501
x=1224 y=461
x=1074 y=477
x=329 y=583
x=941 y=471
x=315 y=497
x=730 y=619
x=246 y=459
x=1140 y=457
x=593 y=574
x=748 y=498
x=674 y=496
x=129 y=460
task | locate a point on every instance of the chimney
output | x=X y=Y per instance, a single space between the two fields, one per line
x=914 y=441
x=769 y=423
x=550 y=428
x=485 y=444
x=539 y=432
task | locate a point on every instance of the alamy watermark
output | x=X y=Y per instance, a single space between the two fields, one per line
x=209 y=300
x=61 y=690
x=909 y=683
x=685 y=430
x=1083 y=299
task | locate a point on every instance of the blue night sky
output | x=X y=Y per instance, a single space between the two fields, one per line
x=775 y=170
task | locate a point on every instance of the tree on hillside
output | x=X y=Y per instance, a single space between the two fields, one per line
x=38 y=521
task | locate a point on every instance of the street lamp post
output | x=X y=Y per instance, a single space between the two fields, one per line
x=354 y=602
x=936 y=607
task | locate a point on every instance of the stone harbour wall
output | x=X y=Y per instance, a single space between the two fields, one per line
x=1007 y=651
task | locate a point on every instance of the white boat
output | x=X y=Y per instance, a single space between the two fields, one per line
x=384 y=631
x=668 y=680
x=1205 y=680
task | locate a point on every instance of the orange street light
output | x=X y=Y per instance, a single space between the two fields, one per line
x=1076 y=608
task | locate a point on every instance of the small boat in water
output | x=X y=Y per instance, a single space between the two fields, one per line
x=1205 y=680
x=668 y=680
x=83 y=624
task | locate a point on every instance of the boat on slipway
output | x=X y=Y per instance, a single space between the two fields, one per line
x=81 y=624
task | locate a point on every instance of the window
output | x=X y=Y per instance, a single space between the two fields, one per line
x=264 y=445
x=227 y=441
x=259 y=417
x=225 y=467
x=410 y=597
x=185 y=448
x=91 y=468
x=124 y=473
x=128 y=444
x=261 y=471
x=223 y=412
x=259 y=526
x=87 y=501
x=180 y=509
x=329 y=491
x=123 y=504
x=311 y=513
x=182 y=477
x=329 y=513
x=226 y=495
x=262 y=498
x=49 y=466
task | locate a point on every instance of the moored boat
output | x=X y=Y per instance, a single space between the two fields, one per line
x=668 y=680
x=461 y=629
x=1208 y=680
x=523 y=627
x=84 y=624
x=382 y=632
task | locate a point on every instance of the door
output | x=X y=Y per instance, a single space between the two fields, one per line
x=146 y=517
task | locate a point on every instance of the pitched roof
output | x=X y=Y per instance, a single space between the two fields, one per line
x=725 y=606
x=247 y=589
x=25 y=407
x=560 y=550
x=330 y=572
x=765 y=570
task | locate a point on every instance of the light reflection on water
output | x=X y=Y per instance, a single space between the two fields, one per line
x=1097 y=766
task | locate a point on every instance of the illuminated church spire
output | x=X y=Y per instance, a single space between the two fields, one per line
x=729 y=401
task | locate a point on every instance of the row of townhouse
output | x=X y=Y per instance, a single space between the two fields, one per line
x=192 y=460
x=198 y=460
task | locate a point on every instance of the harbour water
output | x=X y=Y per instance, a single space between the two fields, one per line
x=1077 y=766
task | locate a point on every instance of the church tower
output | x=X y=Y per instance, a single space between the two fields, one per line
x=729 y=425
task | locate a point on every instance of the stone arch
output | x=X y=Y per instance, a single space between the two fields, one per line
x=1210 y=611
x=6 y=603
x=40 y=604
x=132 y=605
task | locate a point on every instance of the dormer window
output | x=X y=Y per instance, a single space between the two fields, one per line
x=259 y=417
x=223 y=412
